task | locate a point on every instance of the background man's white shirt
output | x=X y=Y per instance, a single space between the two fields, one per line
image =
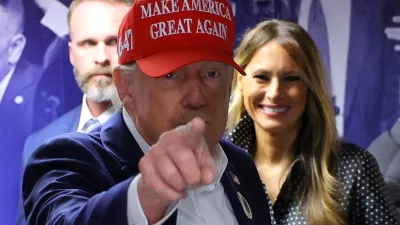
x=4 y=83
x=86 y=115
x=55 y=18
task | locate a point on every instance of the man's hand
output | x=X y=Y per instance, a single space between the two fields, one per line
x=180 y=160
x=393 y=33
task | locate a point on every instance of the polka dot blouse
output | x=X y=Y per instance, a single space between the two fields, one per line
x=362 y=185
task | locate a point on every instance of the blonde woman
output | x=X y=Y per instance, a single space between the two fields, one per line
x=282 y=115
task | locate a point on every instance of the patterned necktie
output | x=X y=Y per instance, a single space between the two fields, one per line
x=90 y=125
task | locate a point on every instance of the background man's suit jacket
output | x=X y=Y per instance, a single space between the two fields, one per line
x=16 y=119
x=77 y=176
x=386 y=149
x=65 y=124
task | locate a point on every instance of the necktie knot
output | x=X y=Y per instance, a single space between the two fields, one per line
x=90 y=125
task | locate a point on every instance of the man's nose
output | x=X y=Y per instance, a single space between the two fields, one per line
x=102 y=55
x=194 y=97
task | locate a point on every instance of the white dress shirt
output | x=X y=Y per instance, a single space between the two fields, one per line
x=55 y=18
x=86 y=115
x=205 y=205
x=4 y=83
x=337 y=16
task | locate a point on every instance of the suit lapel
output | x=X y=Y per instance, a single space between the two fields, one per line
x=77 y=115
x=22 y=80
x=236 y=195
x=18 y=101
x=115 y=135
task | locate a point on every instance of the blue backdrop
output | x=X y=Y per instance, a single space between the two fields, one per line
x=357 y=39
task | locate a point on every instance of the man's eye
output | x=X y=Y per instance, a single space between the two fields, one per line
x=112 y=42
x=170 y=76
x=88 y=43
x=213 y=74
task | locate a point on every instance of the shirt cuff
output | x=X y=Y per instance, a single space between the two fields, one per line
x=135 y=212
x=55 y=19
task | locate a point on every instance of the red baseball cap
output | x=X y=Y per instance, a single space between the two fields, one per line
x=165 y=35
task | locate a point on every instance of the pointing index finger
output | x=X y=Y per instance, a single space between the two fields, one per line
x=194 y=132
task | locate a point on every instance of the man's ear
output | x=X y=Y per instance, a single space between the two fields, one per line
x=122 y=83
x=17 y=46
x=71 y=58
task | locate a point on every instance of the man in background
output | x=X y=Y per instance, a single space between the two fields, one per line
x=386 y=149
x=93 y=31
x=18 y=82
x=93 y=26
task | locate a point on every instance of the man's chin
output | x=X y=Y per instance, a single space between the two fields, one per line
x=100 y=94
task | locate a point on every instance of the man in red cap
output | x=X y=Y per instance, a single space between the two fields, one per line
x=160 y=159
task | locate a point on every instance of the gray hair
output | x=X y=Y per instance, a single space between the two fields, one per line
x=125 y=69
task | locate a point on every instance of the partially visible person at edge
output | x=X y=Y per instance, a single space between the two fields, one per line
x=93 y=27
x=282 y=115
x=160 y=159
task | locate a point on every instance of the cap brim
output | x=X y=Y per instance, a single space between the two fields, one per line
x=166 y=62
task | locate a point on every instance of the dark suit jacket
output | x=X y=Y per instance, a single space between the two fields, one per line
x=386 y=149
x=84 y=179
x=65 y=124
x=16 y=118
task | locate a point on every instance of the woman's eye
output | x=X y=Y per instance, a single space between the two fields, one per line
x=261 y=77
x=292 y=78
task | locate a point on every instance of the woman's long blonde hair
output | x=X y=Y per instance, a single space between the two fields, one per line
x=317 y=143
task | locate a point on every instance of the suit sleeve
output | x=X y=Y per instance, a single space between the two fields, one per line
x=20 y=211
x=66 y=182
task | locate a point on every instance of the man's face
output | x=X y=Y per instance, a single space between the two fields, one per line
x=200 y=89
x=93 y=52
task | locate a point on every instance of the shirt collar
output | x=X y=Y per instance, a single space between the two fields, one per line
x=220 y=157
x=4 y=82
x=135 y=133
x=86 y=115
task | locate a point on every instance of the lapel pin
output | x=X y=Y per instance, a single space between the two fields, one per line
x=18 y=99
x=235 y=178
x=245 y=206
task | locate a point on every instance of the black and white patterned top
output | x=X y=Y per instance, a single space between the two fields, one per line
x=362 y=185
